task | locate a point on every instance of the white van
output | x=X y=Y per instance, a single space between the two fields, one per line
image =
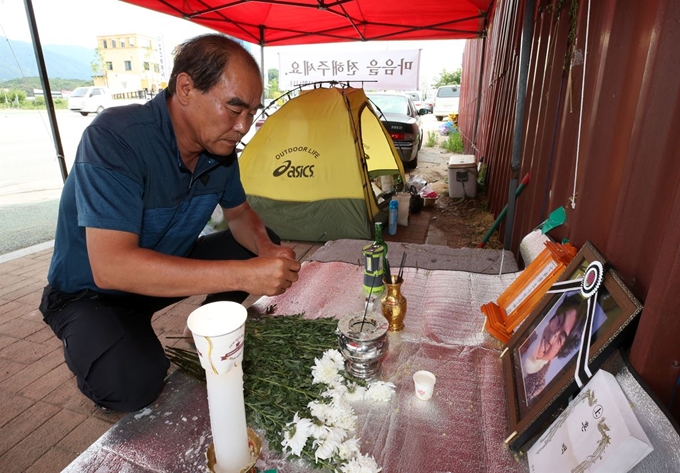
x=446 y=101
x=89 y=100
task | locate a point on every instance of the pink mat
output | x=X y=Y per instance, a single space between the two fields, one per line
x=461 y=429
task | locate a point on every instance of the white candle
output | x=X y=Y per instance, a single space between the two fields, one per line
x=218 y=331
x=228 y=420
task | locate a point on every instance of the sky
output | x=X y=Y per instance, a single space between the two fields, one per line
x=79 y=22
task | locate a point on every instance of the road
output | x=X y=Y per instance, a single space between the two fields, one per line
x=28 y=157
x=31 y=182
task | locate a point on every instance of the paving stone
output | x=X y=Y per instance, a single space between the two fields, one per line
x=68 y=396
x=7 y=290
x=8 y=368
x=26 y=352
x=12 y=406
x=45 y=336
x=79 y=439
x=16 y=430
x=20 y=328
x=12 y=310
x=33 y=370
x=8 y=267
x=40 y=441
x=55 y=459
x=34 y=269
x=27 y=288
x=47 y=383
x=5 y=341
x=32 y=299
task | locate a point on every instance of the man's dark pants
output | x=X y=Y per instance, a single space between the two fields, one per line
x=109 y=343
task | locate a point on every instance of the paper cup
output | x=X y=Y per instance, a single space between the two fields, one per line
x=424 y=382
x=218 y=329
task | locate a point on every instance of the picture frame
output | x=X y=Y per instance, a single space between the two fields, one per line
x=525 y=292
x=540 y=358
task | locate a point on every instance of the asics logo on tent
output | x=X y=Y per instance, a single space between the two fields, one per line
x=294 y=171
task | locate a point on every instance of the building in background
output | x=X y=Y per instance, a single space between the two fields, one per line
x=130 y=64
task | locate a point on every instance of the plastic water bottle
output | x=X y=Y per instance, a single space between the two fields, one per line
x=392 y=218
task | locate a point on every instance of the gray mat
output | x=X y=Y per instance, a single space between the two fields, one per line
x=433 y=257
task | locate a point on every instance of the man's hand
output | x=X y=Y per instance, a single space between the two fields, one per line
x=270 y=276
x=277 y=251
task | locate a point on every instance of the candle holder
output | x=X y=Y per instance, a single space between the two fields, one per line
x=363 y=343
x=254 y=444
x=394 y=304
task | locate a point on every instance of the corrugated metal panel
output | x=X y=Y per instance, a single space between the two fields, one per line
x=627 y=199
x=498 y=90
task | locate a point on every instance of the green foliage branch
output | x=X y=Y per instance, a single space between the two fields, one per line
x=277 y=381
x=448 y=78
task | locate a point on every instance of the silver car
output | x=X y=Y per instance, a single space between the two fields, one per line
x=402 y=121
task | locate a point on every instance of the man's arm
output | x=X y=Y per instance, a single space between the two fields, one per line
x=119 y=263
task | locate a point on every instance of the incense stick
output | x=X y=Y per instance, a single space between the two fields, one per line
x=367 y=302
x=401 y=266
x=388 y=272
x=312 y=246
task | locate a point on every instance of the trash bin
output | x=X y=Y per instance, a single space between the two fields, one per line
x=462 y=176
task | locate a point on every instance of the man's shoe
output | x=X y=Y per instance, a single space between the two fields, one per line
x=105 y=410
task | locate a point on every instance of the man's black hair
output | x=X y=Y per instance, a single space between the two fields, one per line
x=205 y=58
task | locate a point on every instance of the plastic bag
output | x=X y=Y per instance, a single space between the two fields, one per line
x=417 y=182
x=447 y=128
x=427 y=192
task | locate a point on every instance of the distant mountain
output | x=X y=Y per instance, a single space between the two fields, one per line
x=64 y=62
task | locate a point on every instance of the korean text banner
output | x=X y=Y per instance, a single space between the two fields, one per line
x=378 y=70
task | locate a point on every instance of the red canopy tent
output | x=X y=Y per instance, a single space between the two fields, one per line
x=288 y=22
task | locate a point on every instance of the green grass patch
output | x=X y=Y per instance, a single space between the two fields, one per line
x=453 y=143
x=431 y=139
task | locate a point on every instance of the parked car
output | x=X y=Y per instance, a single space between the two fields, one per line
x=88 y=100
x=402 y=121
x=420 y=102
x=446 y=101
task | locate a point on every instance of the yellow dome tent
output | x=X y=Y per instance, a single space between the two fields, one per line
x=307 y=170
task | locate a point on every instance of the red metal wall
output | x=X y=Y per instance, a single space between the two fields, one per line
x=625 y=174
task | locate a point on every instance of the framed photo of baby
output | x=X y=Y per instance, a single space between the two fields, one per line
x=540 y=359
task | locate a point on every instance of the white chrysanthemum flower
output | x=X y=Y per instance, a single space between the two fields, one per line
x=318 y=430
x=342 y=415
x=355 y=392
x=296 y=437
x=379 y=391
x=349 y=449
x=336 y=358
x=361 y=464
x=335 y=392
x=332 y=420
x=328 y=445
x=335 y=414
x=320 y=410
x=325 y=371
